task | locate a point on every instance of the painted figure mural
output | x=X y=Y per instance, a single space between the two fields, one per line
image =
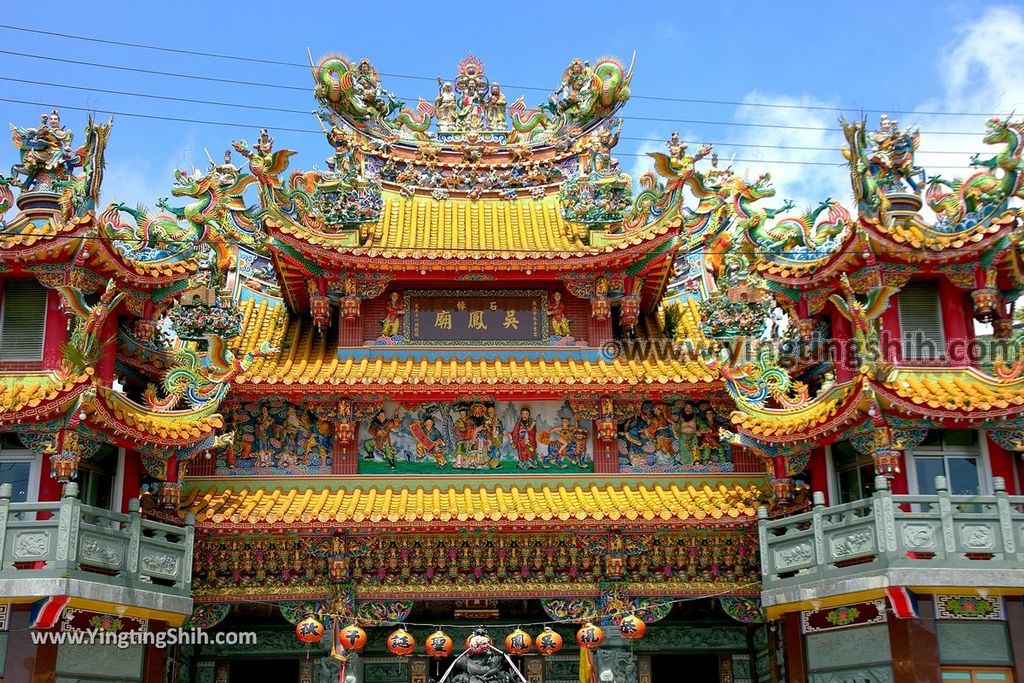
x=475 y=435
x=274 y=438
x=659 y=437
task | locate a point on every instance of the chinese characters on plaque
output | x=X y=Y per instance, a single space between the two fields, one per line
x=476 y=317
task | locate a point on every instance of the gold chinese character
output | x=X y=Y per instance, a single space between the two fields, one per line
x=443 y=320
x=461 y=305
x=494 y=305
x=511 y=320
x=476 y=320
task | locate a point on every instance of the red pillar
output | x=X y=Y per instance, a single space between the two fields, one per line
x=793 y=643
x=915 y=648
x=955 y=311
x=156 y=660
x=345 y=457
x=843 y=354
x=1001 y=463
x=1015 y=624
x=132 y=478
x=56 y=331
x=105 y=366
x=899 y=484
x=891 y=341
x=818 y=469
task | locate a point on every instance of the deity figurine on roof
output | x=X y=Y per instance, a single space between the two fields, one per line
x=46 y=153
x=494 y=108
x=891 y=156
x=573 y=93
x=366 y=85
x=445 y=106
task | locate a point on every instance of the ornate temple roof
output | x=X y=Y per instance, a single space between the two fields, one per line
x=305 y=358
x=471 y=503
x=421 y=228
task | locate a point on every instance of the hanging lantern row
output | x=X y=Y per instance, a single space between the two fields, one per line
x=439 y=644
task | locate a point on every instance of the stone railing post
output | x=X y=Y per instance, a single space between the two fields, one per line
x=818 y=527
x=1005 y=517
x=68 y=523
x=190 y=540
x=134 y=536
x=6 y=491
x=945 y=515
x=885 y=517
x=762 y=538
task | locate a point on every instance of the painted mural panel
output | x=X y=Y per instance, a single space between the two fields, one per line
x=274 y=438
x=464 y=437
x=681 y=436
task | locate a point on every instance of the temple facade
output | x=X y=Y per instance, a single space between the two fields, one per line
x=471 y=404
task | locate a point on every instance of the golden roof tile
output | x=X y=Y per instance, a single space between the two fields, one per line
x=495 y=501
x=307 y=358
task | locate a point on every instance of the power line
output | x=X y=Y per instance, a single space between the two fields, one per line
x=281 y=86
x=216 y=103
x=227 y=124
x=655 y=98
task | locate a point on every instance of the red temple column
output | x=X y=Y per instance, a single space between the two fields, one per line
x=56 y=331
x=915 y=648
x=843 y=354
x=891 y=344
x=1000 y=463
x=818 y=469
x=793 y=643
x=955 y=312
x=132 y=477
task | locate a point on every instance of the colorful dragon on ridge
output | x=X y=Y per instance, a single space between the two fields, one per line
x=954 y=201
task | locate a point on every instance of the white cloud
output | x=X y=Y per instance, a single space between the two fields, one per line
x=979 y=74
x=139 y=180
x=795 y=171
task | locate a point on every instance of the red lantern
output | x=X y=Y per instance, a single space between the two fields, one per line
x=401 y=642
x=589 y=636
x=630 y=312
x=309 y=630
x=632 y=627
x=518 y=642
x=439 y=644
x=548 y=641
x=352 y=638
x=600 y=308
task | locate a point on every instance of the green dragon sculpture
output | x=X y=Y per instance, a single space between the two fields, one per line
x=354 y=91
x=804 y=232
x=984 y=193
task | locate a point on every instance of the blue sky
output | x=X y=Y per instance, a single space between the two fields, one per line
x=913 y=56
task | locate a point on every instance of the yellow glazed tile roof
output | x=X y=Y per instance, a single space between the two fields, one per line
x=423 y=227
x=26 y=391
x=782 y=422
x=305 y=357
x=172 y=426
x=473 y=502
x=961 y=389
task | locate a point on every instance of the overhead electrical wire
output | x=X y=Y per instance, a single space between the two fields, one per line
x=656 y=98
x=214 y=79
x=234 y=105
x=227 y=124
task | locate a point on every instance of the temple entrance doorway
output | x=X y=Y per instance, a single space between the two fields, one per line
x=265 y=670
x=691 y=668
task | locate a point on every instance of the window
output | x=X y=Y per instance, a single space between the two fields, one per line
x=977 y=674
x=96 y=477
x=953 y=454
x=921 y=322
x=854 y=472
x=19 y=467
x=22 y=320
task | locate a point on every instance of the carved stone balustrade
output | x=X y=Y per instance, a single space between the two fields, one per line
x=913 y=541
x=95 y=556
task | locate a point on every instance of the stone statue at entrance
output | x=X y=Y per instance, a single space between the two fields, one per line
x=482 y=663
